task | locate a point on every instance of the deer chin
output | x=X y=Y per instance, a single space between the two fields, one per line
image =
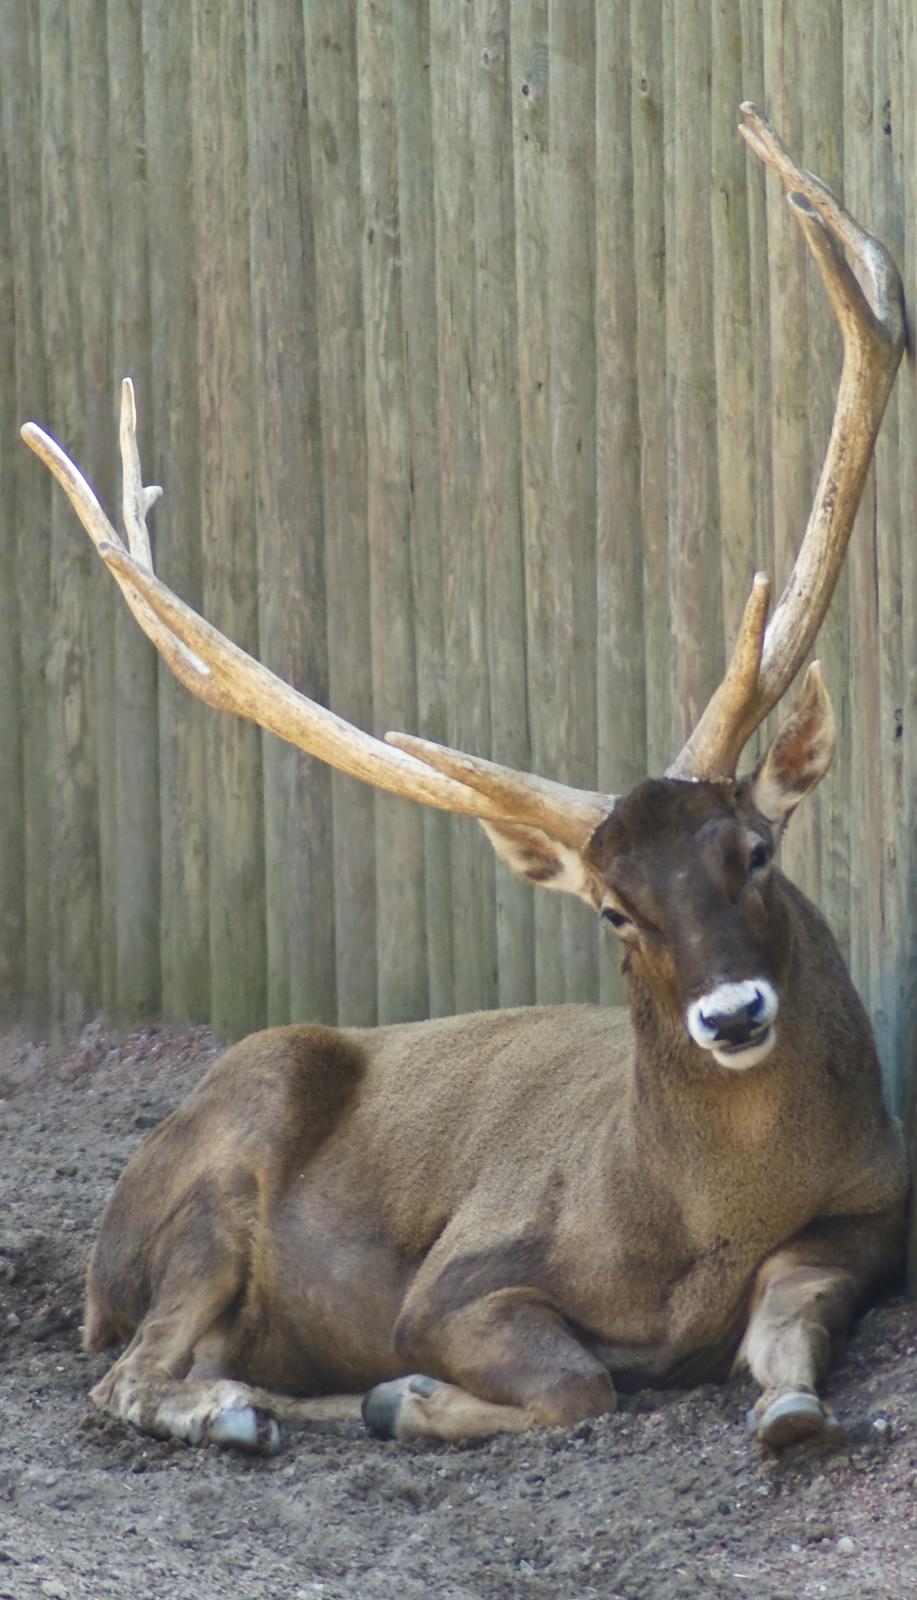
x=739 y=1057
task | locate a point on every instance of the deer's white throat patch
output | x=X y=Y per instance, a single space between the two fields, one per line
x=735 y=1022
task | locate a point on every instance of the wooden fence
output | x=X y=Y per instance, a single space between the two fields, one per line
x=482 y=366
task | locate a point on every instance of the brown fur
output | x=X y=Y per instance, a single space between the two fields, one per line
x=528 y=1206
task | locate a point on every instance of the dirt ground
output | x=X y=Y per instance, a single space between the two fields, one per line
x=666 y=1499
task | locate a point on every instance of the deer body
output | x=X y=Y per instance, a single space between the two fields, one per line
x=489 y=1221
x=358 y=1195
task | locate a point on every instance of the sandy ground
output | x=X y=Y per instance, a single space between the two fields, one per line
x=666 y=1499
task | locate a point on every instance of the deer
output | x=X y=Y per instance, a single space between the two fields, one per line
x=499 y=1221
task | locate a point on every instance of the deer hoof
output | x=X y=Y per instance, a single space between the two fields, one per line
x=382 y=1406
x=790 y=1418
x=245 y=1428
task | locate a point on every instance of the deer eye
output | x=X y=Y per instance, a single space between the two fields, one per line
x=759 y=858
x=615 y=917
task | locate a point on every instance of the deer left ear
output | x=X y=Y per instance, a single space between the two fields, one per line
x=537 y=857
x=799 y=755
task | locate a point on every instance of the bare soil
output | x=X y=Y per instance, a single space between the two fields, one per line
x=666 y=1500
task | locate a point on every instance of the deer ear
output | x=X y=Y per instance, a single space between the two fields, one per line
x=540 y=859
x=799 y=755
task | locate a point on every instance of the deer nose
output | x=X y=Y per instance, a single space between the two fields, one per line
x=737 y=1025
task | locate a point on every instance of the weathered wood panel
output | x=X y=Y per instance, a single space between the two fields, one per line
x=20 y=86
x=453 y=74
x=291 y=566
x=90 y=177
x=226 y=513
x=12 y=822
x=137 y=816
x=482 y=366
x=175 y=464
x=73 y=862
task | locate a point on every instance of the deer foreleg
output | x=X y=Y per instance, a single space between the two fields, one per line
x=804 y=1299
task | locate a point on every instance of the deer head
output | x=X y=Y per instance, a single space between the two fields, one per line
x=673 y=856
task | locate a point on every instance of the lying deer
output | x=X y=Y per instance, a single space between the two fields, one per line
x=490 y=1221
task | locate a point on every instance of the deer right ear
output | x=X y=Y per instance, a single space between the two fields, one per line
x=799 y=754
x=537 y=857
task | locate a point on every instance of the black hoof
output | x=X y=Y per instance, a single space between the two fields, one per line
x=382 y=1405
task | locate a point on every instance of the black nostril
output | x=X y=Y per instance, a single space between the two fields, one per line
x=735 y=1027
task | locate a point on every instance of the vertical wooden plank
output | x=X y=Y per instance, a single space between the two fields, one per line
x=620 y=658
x=499 y=450
x=828 y=814
x=531 y=167
x=12 y=822
x=648 y=120
x=292 y=618
x=886 y=219
x=418 y=289
x=73 y=860
x=20 y=82
x=92 y=189
x=788 y=296
x=867 y=771
x=695 y=562
x=904 y=134
x=733 y=350
x=136 y=710
x=173 y=399
x=452 y=75
x=572 y=428
x=402 y=974
x=230 y=583
x=331 y=72
x=753 y=88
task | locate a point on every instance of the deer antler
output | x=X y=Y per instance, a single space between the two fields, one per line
x=227 y=678
x=766 y=660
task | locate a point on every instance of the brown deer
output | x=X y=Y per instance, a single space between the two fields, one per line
x=487 y=1222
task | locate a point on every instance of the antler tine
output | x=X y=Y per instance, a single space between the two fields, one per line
x=227 y=678
x=873 y=334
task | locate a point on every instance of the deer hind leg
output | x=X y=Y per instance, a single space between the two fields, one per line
x=508 y=1362
x=171 y=1379
x=803 y=1301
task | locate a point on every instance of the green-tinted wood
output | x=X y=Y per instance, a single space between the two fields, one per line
x=230 y=582
x=572 y=431
x=20 y=87
x=92 y=188
x=498 y=486
x=136 y=709
x=174 y=404
x=787 y=286
x=821 y=65
x=753 y=88
x=335 y=173
x=733 y=350
x=299 y=879
x=620 y=660
x=648 y=110
x=411 y=22
x=903 y=123
x=867 y=765
x=694 y=554
x=530 y=99
x=73 y=855
x=453 y=70
x=887 y=220
x=402 y=967
x=12 y=839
